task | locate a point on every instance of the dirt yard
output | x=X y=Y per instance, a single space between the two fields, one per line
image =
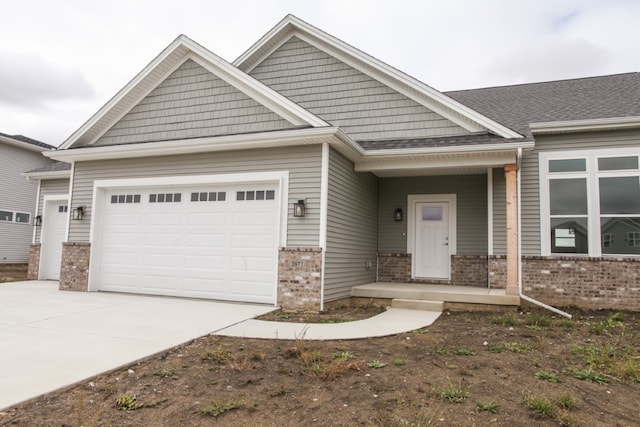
x=506 y=368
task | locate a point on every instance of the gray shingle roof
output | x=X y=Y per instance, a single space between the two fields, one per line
x=28 y=140
x=53 y=167
x=577 y=99
x=449 y=141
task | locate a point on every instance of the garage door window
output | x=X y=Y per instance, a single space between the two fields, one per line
x=209 y=196
x=165 y=198
x=256 y=195
x=125 y=198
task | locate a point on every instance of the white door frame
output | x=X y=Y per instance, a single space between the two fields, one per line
x=412 y=200
x=48 y=198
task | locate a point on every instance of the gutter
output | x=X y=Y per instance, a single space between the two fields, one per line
x=520 y=293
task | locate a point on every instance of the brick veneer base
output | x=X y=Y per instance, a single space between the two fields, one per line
x=469 y=270
x=34 y=262
x=74 y=272
x=299 y=279
x=394 y=267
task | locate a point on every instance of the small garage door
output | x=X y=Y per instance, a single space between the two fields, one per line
x=218 y=242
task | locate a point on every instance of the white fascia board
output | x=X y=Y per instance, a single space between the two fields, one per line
x=437 y=162
x=612 y=123
x=436 y=101
x=37 y=176
x=458 y=149
x=23 y=145
x=200 y=145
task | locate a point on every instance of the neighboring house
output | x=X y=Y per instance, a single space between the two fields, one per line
x=308 y=167
x=18 y=154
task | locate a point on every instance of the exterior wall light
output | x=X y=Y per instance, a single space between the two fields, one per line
x=299 y=209
x=37 y=220
x=397 y=215
x=78 y=213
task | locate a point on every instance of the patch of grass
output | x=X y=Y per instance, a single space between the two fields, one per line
x=217 y=355
x=516 y=347
x=548 y=376
x=538 y=319
x=376 y=364
x=491 y=407
x=566 y=323
x=165 y=373
x=496 y=348
x=219 y=407
x=505 y=320
x=541 y=405
x=465 y=352
x=453 y=394
x=588 y=374
x=127 y=402
x=344 y=355
x=399 y=362
x=565 y=401
x=628 y=369
x=420 y=331
x=440 y=348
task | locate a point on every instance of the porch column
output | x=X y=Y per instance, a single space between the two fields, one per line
x=512 y=228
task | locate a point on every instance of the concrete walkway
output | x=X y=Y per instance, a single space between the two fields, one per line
x=391 y=322
x=50 y=339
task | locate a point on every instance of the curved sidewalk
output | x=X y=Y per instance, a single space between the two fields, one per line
x=393 y=321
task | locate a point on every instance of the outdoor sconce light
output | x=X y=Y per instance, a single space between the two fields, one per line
x=397 y=215
x=298 y=209
x=37 y=220
x=78 y=213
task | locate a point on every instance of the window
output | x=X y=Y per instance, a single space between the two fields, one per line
x=587 y=199
x=6 y=216
x=125 y=198
x=24 y=218
x=165 y=198
x=209 y=196
x=256 y=195
x=18 y=217
x=64 y=208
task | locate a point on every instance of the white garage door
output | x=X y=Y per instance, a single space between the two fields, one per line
x=216 y=242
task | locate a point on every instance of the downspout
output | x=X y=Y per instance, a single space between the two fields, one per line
x=522 y=295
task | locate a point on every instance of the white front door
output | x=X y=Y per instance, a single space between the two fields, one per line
x=54 y=227
x=432 y=250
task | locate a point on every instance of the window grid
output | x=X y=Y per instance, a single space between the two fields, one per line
x=165 y=197
x=209 y=196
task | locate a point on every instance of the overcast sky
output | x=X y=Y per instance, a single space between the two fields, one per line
x=61 y=60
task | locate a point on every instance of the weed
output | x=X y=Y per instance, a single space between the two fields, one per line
x=566 y=323
x=218 y=407
x=344 y=355
x=217 y=355
x=420 y=331
x=588 y=375
x=538 y=320
x=399 y=362
x=566 y=419
x=490 y=407
x=127 y=402
x=541 y=405
x=440 y=348
x=453 y=394
x=214 y=368
x=565 y=401
x=547 y=376
x=258 y=356
x=311 y=357
x=465 y=352
x=505 y=320
x=165 y=373
x=280 y=391
x=516 y=347
x=627 y=369
x=376 y=364
x=496 y=348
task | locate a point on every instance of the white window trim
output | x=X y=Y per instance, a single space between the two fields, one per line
x=593 y=193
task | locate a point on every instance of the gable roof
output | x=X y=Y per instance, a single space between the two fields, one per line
x=425 y=95
x=24 y=142
x=55 y=170
x=179 y=51
x=585 y=99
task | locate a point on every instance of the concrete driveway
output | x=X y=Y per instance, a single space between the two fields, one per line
x=50 y=339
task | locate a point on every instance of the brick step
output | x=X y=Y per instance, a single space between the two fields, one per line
x=417 y=304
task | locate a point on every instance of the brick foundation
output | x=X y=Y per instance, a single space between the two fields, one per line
x=394 y=267
x=597 y=283
x=498 y=271
x=74 y=272
x=299 y=279
x=34 y=262
x=469 y=270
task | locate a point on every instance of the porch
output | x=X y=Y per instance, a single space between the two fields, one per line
x=446 y=294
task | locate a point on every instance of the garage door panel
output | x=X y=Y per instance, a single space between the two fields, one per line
x=206 y=248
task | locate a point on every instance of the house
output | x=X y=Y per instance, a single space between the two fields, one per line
x=18 y=154
x=307 y=168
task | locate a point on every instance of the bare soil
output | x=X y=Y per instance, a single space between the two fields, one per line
x=507 y=368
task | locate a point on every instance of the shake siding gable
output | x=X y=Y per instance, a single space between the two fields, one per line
x=530 y=174
x=471 y=205
x=361 y=106
x=48 y=187
x=351 y=228
x=192 y=103
x=303 y=164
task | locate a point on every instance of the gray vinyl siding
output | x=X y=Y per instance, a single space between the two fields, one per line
x=18 y=195
x=361 y=106
x=499 y=212
x=303 y=164
x=191 y=103
x=49 y=187
x=471 y=204
x=352 y=230
x=530 y=174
